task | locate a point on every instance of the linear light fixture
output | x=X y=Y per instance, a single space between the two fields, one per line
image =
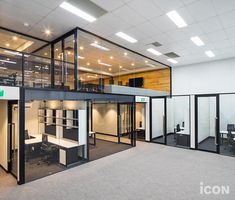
x=94 y=44
x=25 y=46
x=3 y=68
x=210 y=54
x=153 y=51
x=172 y=60
x=126 y=37
x=176 y=18
x=81 y=57
x=15 y=53
x=8 y=61
x=105 y=64
x=67 y=6
x=151 y=65
x=196 y=40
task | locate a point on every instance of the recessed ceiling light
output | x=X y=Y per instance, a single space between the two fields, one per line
x=210 y=54
x=110 y=69
x=146 y=61
x=47 y=32
x=15 y=38
x=81 y=57
x=111 y=57
x=45 y=53
x=56 y=49
x=125 y=53
x=88 y=64
x=132 y=64
x=99 y=46
x=172 y=60
x=105 y=64
x=69 y=7
x=126 y=37
x=81 y=47
x=153 y=51
x=196 y=40
x=7 y=44
x=176 y=18
x=26 y=24
x=120 y=67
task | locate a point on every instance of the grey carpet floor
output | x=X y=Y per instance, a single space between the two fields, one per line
x=147 y=172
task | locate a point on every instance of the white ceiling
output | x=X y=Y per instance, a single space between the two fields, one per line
x=146 y=20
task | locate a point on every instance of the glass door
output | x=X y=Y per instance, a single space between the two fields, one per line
x=126 y=123
x=207 y=122
x=158 y=120
x=13 y=136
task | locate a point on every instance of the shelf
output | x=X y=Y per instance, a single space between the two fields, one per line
x=59 y=125
x=57 y=117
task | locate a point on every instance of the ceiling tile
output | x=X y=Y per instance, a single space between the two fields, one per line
x=217 y=36
x=147 y=9
x=128 y=15
x=230 y=32
x=52 y=4
x=168 y=5
x=163 y=23
x=222 y=44
x=227 y=19
x=148 y=29
x=192 y=30
x=210 y=25
x=223 y=6
x=201 y=9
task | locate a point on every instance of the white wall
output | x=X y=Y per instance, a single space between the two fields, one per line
x=204 y=78
x=105 y=118
x=157 y=117
x=3 y=134
x=178 y=112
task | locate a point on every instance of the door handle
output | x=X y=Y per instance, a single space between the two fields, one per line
x=8 y=143
x=216 y=134
x=163 y=120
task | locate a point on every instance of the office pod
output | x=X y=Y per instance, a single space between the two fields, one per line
x=55 y=136
x=227 y=124
x=178 y=121
x=207 y=122
x=158 y=120
x=111 y=128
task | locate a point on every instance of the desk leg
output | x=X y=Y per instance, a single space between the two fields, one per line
x=95 y=139
x=222 y=139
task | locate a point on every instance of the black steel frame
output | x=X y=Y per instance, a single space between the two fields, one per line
x=217 y=139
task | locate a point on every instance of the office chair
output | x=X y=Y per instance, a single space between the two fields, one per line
x=230 y=138
x=177 y=128
x=49 y=152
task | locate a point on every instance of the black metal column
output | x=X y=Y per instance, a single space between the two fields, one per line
x=76 y=60
x=21 y=178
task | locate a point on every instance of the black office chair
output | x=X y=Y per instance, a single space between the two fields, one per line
x=230 y=139
x=178 y=128
x=49 y=152
x=230 y=128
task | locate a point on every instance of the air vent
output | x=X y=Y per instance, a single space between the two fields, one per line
x=156 y=44
x=89 y=7
x=171 y=55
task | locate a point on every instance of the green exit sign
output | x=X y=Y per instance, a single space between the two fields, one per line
x=142 y=99
x=1 y=93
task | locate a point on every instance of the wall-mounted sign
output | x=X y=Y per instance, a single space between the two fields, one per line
x=1 y=93
x=141 y=99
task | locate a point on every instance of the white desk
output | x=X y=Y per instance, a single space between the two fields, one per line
x=60 y=142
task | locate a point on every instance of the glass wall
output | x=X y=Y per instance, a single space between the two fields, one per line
x=227 y=124
x=178 y=121
x=55 y=136
x=158 y=120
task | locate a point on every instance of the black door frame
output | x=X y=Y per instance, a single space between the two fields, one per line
x=164 y=121
x=132 y=122
x=217 y=139
x=10 y=104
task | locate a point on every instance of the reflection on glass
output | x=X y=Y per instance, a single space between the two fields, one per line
x=178 y=131
x=227 y=124
x=58 y=142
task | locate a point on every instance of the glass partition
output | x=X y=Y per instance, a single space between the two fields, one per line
x=178 y=121
x=158 y=120
x=207 y=119
x=227 y=124
x=55 y=136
